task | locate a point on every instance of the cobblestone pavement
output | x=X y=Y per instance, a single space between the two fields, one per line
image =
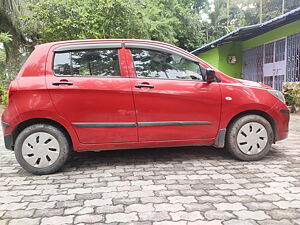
x=187 y=186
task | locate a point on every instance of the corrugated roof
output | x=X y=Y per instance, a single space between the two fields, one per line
x=248 y=32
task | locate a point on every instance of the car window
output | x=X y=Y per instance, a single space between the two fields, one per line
x=156 y=64
x=94 y=62
x=62 y=63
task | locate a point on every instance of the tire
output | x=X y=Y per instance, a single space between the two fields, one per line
x=42 y=149
x=247 y=131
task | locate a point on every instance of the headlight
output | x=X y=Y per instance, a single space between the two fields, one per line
x=277 y=94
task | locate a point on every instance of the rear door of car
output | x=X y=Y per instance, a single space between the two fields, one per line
x=89 y=88
x=172 y=101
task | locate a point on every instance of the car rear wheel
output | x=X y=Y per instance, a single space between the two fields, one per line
x=42 y=149
x=249 y=137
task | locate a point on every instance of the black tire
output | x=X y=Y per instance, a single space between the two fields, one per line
x=232 y=132
x=61 y=138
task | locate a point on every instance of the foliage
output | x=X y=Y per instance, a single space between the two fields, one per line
x=3 y=90
x=185 y=23
x=292 y=95
x=5 y=37
x=172 y=21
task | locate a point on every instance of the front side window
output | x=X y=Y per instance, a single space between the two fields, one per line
x=156 y=64
x=94 y=62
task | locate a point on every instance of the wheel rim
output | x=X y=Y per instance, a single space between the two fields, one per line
x=252 y=138
x=40 y=149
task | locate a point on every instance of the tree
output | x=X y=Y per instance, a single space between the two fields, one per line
x=10 y=10
x=173 y=21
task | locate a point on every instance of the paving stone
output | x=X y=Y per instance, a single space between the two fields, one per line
x=168 y=207
x=240 y=222
x=125 y=201
x=157 y=186
x=78 y=210
x=88 y=218
x=13 y=206
x=10 y=199
x=61 y=220
x=229 y=206
x=61 y=197
x=48 y=212
x=97 y=202
x=41 y=205
x=170 y=223
x=274 y=222
x=250 y=192
x=24 y=221
x=260 y=205
x=203 y=222
x=252 y=215
x=3 y=222
x=198 y=207
x=65 y=204
x=218 y=215
x=154 y=216
x=186 y=216
x=288 y=204
x=182 y=199
x=110 y=209
x=279 y=214
x=268 y=198
x=121 y=217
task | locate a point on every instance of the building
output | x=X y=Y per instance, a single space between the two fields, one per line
x=267 y=52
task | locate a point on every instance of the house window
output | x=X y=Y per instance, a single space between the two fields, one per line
x=269 y=52
x=279 y=50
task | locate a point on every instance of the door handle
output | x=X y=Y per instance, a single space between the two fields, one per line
x=144 y=85
x=62 y=82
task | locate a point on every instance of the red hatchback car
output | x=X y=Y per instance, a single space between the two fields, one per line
x=122 y=94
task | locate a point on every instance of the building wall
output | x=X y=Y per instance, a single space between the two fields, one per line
x=218 y=56
x=211 y=56
x=283 y=31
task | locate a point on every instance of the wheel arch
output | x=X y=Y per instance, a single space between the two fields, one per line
x=21 y=126
x=259 y=113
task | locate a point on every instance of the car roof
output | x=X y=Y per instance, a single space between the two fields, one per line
x=139 y=41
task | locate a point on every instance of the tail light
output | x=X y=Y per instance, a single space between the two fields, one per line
x=13 y=87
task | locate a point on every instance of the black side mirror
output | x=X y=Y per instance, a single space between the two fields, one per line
x=210 y=75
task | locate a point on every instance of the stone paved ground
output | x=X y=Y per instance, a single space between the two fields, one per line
x=187 y=186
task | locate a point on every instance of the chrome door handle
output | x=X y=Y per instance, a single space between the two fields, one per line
x=144 y=85
x=62 y=82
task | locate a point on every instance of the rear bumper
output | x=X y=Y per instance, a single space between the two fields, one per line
x=8 y=141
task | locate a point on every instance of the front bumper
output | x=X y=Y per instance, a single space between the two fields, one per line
x=281 y=117
x=8 y=141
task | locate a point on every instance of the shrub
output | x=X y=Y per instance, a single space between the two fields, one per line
x=291 y=92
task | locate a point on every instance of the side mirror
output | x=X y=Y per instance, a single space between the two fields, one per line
x=210 y=75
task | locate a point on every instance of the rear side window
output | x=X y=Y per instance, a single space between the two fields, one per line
x=156 y=64
x=94 y=62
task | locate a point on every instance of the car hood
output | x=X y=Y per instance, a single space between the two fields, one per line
x=253 y=84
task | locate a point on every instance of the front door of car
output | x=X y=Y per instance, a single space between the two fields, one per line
x=172 y=101
x=87 y=89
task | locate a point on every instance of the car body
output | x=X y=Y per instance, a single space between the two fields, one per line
x=123 y=94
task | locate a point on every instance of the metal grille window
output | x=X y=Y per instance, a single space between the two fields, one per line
x=269 y=52
x=293 y=58
x=279 y=50
x=268 y=81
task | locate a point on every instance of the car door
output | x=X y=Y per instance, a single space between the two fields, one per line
x=172 y=101
x=88 y=88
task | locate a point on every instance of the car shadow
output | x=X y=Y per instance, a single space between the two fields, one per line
x=89 y=160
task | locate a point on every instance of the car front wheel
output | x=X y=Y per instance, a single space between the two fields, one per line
x=42 y=149
x=249 y=137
